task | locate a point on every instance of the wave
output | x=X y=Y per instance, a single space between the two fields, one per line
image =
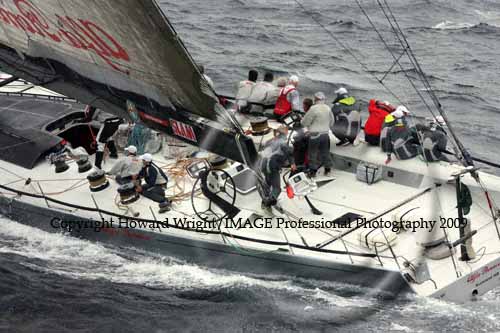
x=461 y=96
x=83 y=260
x=450 y=25
x=300 y=300
x=465 y=26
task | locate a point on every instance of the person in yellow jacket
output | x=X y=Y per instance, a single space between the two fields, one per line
x=345 y=110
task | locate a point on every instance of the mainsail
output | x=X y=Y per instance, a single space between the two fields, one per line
x=108 y=53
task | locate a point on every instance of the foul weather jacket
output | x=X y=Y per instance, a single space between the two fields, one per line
x=378 y=112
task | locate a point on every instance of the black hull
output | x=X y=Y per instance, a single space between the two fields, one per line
x=210 y=254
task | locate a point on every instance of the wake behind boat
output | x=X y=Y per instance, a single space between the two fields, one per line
x=350 y=242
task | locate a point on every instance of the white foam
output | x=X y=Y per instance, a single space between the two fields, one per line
x=79 y=259
x=450 y=25
x=339 y=301
x=399 y=328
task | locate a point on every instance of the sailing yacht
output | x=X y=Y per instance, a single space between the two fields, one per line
x=411 y=231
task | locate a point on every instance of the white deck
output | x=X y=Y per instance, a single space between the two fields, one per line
x=339 y=196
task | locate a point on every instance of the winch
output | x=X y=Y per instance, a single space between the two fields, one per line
x=98 y=181
x=128 y=194
x=83 y=164
x=218 y=163
x=60 y=163
x=260 y=126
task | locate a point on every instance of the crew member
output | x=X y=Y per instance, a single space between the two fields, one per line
x=347 y=117
x=281 y=83
x=402 y=141
x=245 y=89
x=275 y=155
x=105 y=139
x=401 y=113
x=288 y=99
x=155 y=182
x=319 y=120
x=434 y=141
x=306 y=104
x=127 y=167
x=301 y=140
x=264 y=95
x=373 y=126
x=389 y=121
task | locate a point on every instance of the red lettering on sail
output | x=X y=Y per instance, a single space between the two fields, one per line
x=74 y=32
x=184 y=131
x=146 y=116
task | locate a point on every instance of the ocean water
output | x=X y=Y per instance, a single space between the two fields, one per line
x=52 y=283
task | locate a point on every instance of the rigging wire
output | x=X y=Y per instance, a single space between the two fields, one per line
x=400 y=34
x=459 y=147
x=465 y=157
x=405 y=50
x=397 y=61
x=347 y=49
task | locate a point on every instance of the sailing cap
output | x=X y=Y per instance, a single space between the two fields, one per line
x=294 y=78
x=131 y=149
x=403 y=109
x=146 y=157
x=341 y=91
x=319 y=96
x=400 y=112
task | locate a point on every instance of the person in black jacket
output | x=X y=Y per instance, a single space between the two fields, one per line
x=347 y=124
x=402 y=142
x=155 y=182
x=434 y=142
x=105 y=137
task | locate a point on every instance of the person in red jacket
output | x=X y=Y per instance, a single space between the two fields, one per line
x=289 y=98
x=373 y=126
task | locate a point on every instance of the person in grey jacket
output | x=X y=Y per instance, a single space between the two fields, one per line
x=318 y=121
x=275 y=155
x=127 y=167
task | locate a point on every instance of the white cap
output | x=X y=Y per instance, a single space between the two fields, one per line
x=293 y=79
x=319 y=96
x=400 y=112
x=131 y=149
x=403 y=109
x=146 y=157
x=341 y=91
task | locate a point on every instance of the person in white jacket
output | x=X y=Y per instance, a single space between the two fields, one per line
x=264 y=95
x=245 y=89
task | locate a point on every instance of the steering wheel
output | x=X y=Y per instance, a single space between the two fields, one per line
x=219 y=192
